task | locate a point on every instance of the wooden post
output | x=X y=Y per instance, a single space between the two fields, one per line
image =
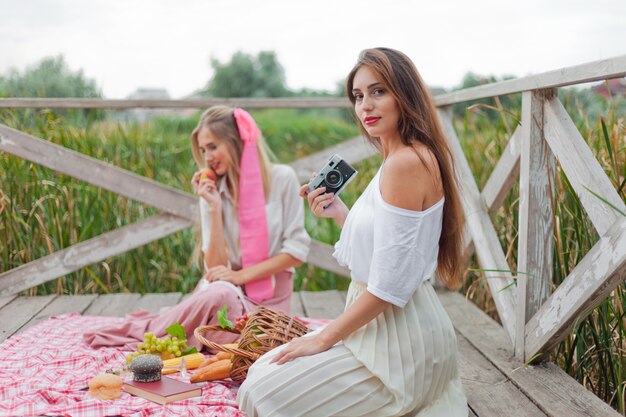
x=480 y=227
x=536 y=220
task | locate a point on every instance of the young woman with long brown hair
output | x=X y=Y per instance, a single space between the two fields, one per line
x=393 y=350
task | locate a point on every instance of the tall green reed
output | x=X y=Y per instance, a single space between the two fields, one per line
x=43 y=212
x=594 y=351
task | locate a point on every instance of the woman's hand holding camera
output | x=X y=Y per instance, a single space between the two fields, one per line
x=325 y=205
x=207 y=189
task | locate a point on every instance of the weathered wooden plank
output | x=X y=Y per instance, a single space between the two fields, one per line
x=487 y=246
x=154 y=302
x=296 y=305
x=89 y=252
x=593 y=71
x=500 y=400
x=601 y=270
x=473 y=366
x=98 y=173
x=551 y=389
x=321 y=255
x=63 y=304
x=249 y=103
x=504 y=174
x=352 y=150
x=322 y=304
x=581 y=167
x=468 y=251
x=488 y=391
x=4 y=300
x=536 y=219
x=19 y=311
x=584 y=73
x=117 y=305
x=498 y=186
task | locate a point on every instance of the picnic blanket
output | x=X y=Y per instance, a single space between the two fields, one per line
x=44 y=369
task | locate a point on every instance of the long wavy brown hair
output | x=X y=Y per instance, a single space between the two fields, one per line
x=418 y=123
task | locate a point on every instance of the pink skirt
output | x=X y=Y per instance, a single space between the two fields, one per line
x=199 y=309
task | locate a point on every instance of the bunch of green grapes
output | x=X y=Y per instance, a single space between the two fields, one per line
x=167 y=347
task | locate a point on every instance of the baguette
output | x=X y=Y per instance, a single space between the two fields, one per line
x=208 y=361
x=217 y=370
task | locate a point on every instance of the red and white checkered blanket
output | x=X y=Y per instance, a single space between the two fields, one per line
x=44 y=368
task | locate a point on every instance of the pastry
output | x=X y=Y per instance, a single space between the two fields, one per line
x=105 y=386
x=146 y=368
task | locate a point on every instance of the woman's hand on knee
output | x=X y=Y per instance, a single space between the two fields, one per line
x=301 y=346
x=222 y=273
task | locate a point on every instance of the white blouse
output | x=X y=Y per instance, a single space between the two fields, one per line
x=285 y=219
x=391 y=249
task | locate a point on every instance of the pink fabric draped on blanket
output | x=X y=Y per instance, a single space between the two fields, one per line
x=198 y=310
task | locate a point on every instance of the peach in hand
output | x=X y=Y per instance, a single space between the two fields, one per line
x=208 y=174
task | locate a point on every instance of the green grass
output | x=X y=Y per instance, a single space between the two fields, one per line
x=42 y=212
x=593 y=352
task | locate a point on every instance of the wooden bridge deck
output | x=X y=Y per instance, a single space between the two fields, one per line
x=495 y=384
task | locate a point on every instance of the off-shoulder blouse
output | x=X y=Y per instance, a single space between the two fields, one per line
x=391 y=249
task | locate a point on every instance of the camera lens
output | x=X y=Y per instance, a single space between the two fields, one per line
x=333 y=179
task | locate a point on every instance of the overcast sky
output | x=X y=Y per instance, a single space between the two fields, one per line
x=125 y=45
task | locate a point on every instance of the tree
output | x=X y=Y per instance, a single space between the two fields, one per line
x=248 y=76
x=51 y=77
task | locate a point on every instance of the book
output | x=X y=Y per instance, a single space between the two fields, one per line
x=164 y=391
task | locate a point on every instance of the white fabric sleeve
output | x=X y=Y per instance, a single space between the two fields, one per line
x=205 y=221
x=398 y=264
x=295 y=239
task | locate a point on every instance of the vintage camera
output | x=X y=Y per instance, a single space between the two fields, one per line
x=335 y=175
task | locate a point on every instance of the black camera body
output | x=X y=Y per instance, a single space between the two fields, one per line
x=335 y=175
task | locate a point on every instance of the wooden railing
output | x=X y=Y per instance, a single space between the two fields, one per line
x=534 y=318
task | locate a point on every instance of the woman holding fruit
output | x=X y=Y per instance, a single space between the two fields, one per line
x=392 y=352
x=253 y=235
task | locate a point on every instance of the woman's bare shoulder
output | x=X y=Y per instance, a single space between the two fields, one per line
x=411 y=179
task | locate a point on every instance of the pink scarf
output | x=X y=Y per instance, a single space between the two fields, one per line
x=253 y=235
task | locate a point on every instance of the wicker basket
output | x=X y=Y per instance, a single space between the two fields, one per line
x=264 y=330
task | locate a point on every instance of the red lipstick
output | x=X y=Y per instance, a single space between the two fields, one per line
x=371 y=120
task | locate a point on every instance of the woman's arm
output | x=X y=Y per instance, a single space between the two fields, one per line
x=275 y=264
x=361 y=312
x=212 y=223
x=216 y=254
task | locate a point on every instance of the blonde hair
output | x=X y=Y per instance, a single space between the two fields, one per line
x=220 y=121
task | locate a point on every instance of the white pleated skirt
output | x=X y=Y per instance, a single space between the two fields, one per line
x=403 y=363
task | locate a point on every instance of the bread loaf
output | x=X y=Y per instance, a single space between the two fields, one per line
x=105 y=386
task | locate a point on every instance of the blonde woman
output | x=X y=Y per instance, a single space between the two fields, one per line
x=252 y=232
